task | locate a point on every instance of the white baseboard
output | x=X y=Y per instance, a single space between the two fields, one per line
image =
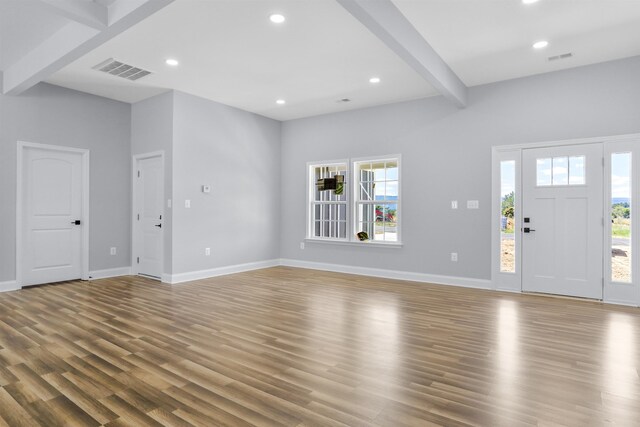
x=620 y=302
x=10 y=285
x=391 y=274
x=220 y=271
x=110 y=272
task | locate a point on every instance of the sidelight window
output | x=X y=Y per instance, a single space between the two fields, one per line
x=621 y=217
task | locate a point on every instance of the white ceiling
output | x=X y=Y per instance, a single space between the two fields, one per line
x=231 y=53
x=23 y=26
x=485 y=41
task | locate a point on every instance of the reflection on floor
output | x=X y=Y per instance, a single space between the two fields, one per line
x=295 y=347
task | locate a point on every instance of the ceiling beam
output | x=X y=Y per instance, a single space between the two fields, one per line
x=387 y=23
x=88 y=13
x=72 y=42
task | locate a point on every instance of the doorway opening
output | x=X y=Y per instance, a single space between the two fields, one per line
x=562 y=218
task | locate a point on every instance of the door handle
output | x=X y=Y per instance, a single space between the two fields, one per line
x=159 y=225
x=76 y=222
x=528 y=230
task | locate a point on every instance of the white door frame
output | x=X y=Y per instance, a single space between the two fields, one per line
x=22 y=146
x=134 y=244
x=513 y=281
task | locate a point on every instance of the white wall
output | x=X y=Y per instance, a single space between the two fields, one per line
x=53 y=115
x=238 y=154
x=256 y=166
x=446 y=155
x=151 y=131
x=235 y=152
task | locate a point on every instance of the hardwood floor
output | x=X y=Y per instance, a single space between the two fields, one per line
x=295 y=347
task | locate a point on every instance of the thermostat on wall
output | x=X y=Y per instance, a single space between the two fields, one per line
x=206 y=189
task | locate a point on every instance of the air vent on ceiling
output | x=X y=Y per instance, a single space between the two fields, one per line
x=558 y=57
x=120 y=69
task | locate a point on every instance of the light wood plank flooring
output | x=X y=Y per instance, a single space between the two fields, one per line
x=293 y=347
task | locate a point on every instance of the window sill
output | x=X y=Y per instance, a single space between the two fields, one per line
x=354 y=243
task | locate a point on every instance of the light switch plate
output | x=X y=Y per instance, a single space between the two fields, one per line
x=454 y=204
x=187 y=204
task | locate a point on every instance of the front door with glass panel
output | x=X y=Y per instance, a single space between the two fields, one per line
x=562 y=225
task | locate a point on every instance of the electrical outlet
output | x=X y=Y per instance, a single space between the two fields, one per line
x=113 y=251
x=207 y=251
x=473 y=204
x=301 y=245
x=454 y=256
x=454 y=204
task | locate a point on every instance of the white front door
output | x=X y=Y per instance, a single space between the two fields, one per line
x=52 y=216
x=562 y=211
x=148 y=222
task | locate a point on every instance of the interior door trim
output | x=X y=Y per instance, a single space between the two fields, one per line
x=22 y=146
x=134 y=170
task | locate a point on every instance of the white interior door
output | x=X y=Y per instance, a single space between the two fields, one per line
x=148 y=219
x=52 y=216
x=563 y=202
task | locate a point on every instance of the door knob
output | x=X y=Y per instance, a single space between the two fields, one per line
x=76 y=222
x=159 y=225
x=528 y=230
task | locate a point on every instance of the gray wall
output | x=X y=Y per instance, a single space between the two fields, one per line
x=238 y=154
x=446 y=155
x=52 y=115
x=151 y=131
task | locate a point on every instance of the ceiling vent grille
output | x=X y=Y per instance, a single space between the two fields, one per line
x=563 y=56
x=120 y=69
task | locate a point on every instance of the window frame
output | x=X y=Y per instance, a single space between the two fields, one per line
x=568 y=184
x=311 y=202
x=354 y=201
x=350 y=188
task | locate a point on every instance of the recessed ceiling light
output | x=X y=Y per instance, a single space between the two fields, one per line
x=281 y=102
x=529 y=1
x=276 y=18
x=541 y=44
x=374 y=80
x=172 y=62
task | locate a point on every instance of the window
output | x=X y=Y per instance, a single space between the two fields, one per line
x=507 y=216
x=621 y=217
x=343 y=210
x=560 y=171
x=377 y=200
x=328 y=208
